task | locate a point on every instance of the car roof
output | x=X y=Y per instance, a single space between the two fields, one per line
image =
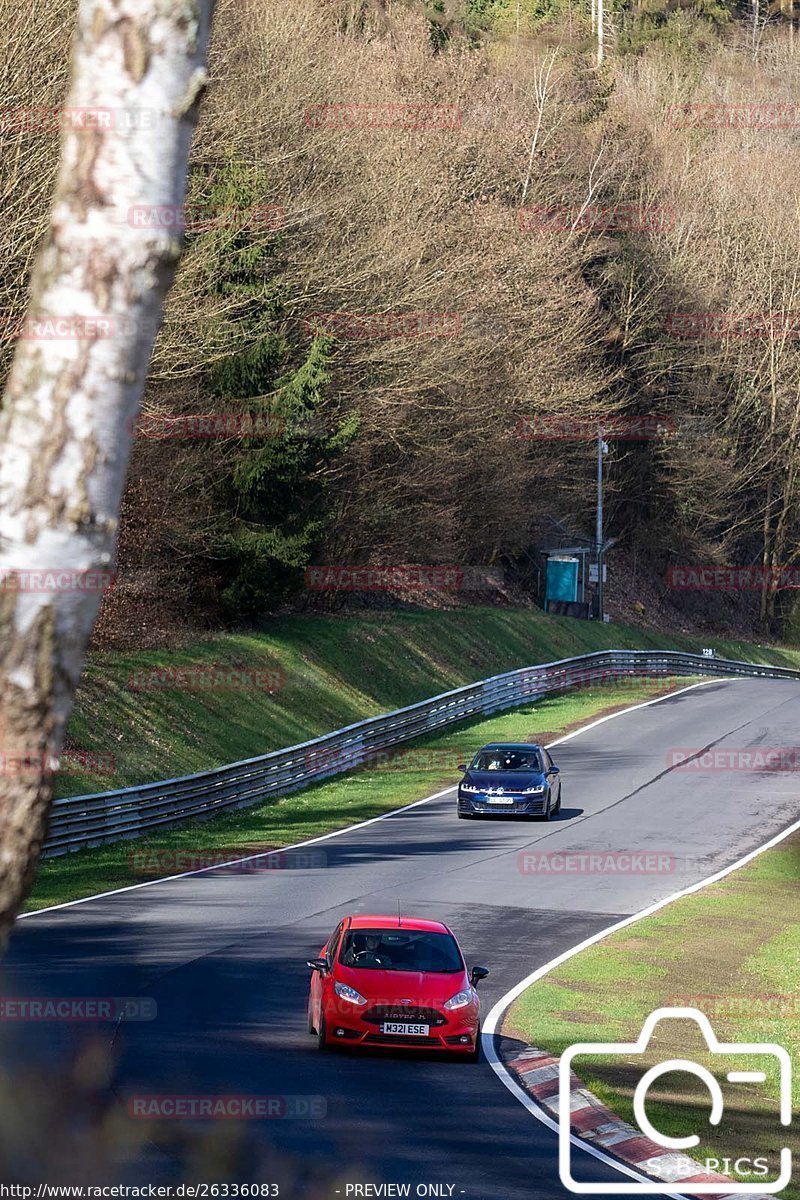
x=527 y=746
x=391 y=922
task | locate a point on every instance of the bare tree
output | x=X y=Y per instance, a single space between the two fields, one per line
x=65 y=429
x=541 y=87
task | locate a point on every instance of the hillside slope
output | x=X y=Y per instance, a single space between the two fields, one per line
x=330 y=672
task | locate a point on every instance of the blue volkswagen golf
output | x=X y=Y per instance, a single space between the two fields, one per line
x=510 y=780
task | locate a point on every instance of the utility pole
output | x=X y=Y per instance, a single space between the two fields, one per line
x=602 y=450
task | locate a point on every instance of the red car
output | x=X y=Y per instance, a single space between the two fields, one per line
x=398 y=982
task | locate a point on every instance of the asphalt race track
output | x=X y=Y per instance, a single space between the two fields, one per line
x=223 y=954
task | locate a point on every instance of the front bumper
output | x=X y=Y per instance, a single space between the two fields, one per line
x=517 y=806
x=454 y=1033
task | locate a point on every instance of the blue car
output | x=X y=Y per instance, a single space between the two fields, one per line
x=510 y=780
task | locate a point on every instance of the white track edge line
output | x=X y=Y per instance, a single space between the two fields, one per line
x=132 y=887
x=547 y=1120
x=493 y=1018
x=489 y=1025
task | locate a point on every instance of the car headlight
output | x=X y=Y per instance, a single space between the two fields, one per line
x=469 y=787
x=534 y=791
x=459 y=1000
x=348 y=993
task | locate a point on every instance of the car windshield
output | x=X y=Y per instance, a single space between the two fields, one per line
x=507 y=760
x=401 y=950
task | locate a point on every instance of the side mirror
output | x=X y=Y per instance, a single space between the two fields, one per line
x=461 y=767
x=318 y=964
x=554 y=770
x=478 y=973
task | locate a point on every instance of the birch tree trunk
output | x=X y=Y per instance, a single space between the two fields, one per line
x=71 y=401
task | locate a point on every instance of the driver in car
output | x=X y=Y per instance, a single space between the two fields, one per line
x=368 y=957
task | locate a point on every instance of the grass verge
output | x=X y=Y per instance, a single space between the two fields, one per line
x=732 y=951
x=412 y=771
x=337 y=670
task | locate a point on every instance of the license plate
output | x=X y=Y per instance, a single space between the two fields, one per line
x=499 y=800
x=409 y=1030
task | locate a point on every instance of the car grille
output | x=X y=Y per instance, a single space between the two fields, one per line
x=515 y=804
x=405 y=1013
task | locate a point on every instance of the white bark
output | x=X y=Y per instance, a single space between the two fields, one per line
x=541 y=88
x=70 y=404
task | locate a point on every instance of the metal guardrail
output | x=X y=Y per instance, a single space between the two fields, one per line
x=79 y=821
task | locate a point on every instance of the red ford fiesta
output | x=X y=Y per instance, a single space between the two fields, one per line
x=398 y=982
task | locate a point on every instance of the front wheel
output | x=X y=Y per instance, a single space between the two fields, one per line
x=557 y=808
x=475 y=1053
x=311 y=1028
x=322 y=1032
